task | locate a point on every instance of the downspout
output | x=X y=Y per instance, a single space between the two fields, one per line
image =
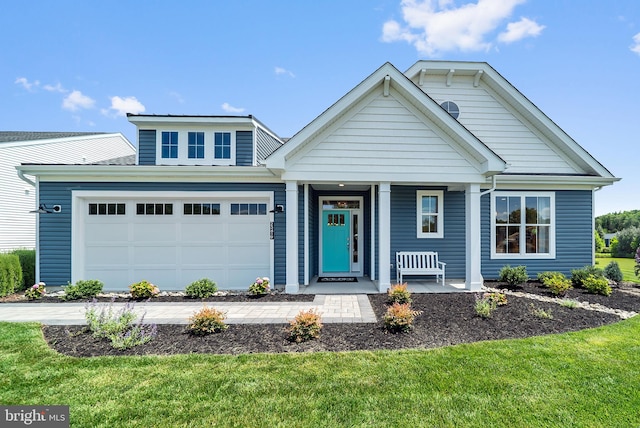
x=493 y=186
x=25 y=179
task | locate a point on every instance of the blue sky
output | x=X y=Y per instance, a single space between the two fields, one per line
x=80 y=65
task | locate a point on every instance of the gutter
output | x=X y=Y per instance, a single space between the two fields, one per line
x=25 y=179
x=493 y=186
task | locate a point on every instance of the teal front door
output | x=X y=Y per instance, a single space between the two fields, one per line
x=336 y=230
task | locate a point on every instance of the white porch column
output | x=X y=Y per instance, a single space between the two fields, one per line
x=473 y=278
x=291 y=211
x=384 y=237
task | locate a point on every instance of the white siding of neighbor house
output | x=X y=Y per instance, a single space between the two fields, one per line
x=17 y=198
x=385 y=136
x=499 y=126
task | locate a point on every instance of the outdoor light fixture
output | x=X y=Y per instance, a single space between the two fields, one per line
x=42 y=209
x=277 y=209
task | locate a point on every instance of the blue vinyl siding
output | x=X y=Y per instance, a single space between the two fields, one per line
x=146 y=147
x=55 y=229
x=451 y=248
x=265 y=144
x=244 y=148
x=574 y=237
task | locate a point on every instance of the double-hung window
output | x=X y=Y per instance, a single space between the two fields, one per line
x=222 y=145
x=523 y=225
x=195 y=145
x=430 y=214
x=169 y=145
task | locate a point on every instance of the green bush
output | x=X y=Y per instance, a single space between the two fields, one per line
x=28 y=264
x=513 y=275
x=547 y=274
x=305 y=326
x=10 y=274
x=207 y=321
x=201 y=289
x=579 y=275
x=83 y=289
x=36 y=291
x=143 y=290
x=557 y=283
x=613 y=272
x=484 y=307
x=119 y=327
x=597 y=285
x=398 y=293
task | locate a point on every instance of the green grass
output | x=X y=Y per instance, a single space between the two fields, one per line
x=627 y=266
x=589 y=378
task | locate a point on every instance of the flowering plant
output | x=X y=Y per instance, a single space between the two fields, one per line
x=260 y=286
x=637 y=270
x=143 y=290
x=36 y=291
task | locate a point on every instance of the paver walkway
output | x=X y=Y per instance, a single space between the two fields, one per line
x=344 y=308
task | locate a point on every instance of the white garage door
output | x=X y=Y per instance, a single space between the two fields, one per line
x=172 y=242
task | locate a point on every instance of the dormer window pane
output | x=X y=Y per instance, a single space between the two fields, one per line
x=196 y=145
x=222 y=145
x=169 y=145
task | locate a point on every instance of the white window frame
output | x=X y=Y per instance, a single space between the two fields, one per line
x=552 y=226
x=440 y=214
x=183 y=147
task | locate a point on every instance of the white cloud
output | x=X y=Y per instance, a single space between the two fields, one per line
x=57 y=88
x=122 y=106
x=77 y=100
x=519 y=30
x=434 y=26
x=280 y=71
x=636 y=44
x=26 y=84
x=231 y=109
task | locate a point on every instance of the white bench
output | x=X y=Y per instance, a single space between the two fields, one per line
x=418 y=263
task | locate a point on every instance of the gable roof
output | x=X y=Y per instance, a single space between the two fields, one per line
x=484 y=74
x=16 y=136
x=389 y=78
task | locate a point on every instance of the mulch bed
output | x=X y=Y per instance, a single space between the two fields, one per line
x=446 y=319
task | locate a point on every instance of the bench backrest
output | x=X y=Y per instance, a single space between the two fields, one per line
x=417 y=259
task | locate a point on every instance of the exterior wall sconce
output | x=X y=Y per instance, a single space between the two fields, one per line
x=42 y=209
x=278 y=209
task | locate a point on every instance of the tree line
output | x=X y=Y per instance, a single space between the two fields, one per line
x=626 y=226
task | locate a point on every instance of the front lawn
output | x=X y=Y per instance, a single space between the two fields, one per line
x=586 y=378
x=627 y=266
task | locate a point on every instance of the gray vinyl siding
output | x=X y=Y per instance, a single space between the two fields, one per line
x=574 y=237
x=265 y=144
x=55 y=229
x=451 y=248
x=244 y=148
x=146 y=147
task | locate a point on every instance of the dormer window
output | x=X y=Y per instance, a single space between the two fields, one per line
x=222 y=145
x=196 y=145
x=451 y=108
x=169 y=145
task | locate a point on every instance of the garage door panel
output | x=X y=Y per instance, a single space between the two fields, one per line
x=118 y=278
x=247 y=232
x=248 y=255
x=202 y=232
x=197 y=255
x=155 y=232
x=108 y=254
x=163 y=278
x=107 y=232
x=154 y=254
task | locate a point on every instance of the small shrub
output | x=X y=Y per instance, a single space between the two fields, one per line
x=484 y=307
x=118 y=326
x=499 y=299
x=541 y=313
x=305 y=326
x=143 y=290
x=513 y=275
x=206 y=321
x=613 y=272
x=10 y=274
x=260 y=286
x=569 y=303
x=548 y=274
x=201 y=289
x=36 y=291
x=579 y=275
x=399 y=317
x=557 y=283
x=398 y=293
x=597 y=285
x=27 y=260
x=83 y=289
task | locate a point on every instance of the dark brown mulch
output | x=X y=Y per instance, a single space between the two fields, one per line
x=237 y=297
x=446 y=319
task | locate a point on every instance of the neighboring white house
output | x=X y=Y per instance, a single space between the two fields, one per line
x=18 y=197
